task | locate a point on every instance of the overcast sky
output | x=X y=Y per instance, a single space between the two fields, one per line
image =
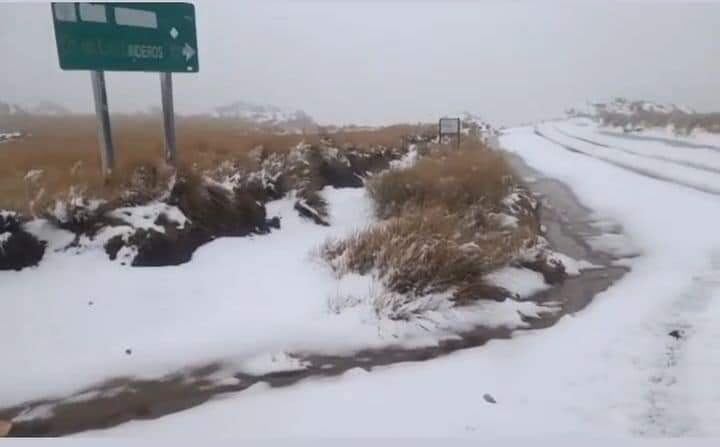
x=374 y=62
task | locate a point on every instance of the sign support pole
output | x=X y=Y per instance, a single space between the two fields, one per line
x=107 y=153
x=168 y=117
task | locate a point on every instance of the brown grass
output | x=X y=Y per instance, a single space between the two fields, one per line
x=440 y=231
x=453 y=180
x=427 y=251
x=57 y=144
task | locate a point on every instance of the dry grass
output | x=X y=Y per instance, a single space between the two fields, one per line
x=455 y=181
x=428 y=251
x=440 y=230
x=65 y=149
x=388 y=136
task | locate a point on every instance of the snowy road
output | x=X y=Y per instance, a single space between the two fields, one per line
x=613 y=369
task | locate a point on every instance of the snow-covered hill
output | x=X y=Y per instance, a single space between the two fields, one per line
x=267 y=116
x=44 y=107
x=11 y=109
x=641 y=116
x=623 y=106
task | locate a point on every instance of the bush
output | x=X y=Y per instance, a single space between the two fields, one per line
x=445 y=226
x=214 y=209
x=454 y=180
x=56 y=144
x=427 y=252
x=18 y=248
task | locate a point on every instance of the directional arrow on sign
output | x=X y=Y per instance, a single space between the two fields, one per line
x=188 y=52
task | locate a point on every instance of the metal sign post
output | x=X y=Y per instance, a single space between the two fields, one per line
x=168 y=113
x=155 y=37
x=107 y=154
x=449 y=126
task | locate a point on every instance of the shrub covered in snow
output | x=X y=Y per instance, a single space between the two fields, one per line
x=18 y=248
x=447 y=221
x=76 y=212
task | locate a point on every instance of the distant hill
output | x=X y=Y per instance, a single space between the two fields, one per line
x=634 y=115
x=623 y=106
x=11 y=109
x=50 y=108
x=41 y=108
x=267 y=117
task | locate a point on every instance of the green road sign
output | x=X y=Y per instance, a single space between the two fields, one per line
x=126 y=36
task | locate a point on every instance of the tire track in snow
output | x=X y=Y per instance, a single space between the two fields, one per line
x=671 y=407
x=687 y=164
x=658 y=139
x=634 y=169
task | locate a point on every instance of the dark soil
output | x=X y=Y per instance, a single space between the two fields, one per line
x=22 y=249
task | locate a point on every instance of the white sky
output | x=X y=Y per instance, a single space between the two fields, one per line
x=374 y=62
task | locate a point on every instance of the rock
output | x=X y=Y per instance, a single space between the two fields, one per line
x=5 y=427
x=18 y=248
x=489 y=399
x=676 y=334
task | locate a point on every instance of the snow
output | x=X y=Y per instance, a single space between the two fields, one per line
x=4 y=237
x=243 y=302
x=629 y=107
x=266 y=363
x=661 y=169
x=145 y=216
x=613 y=243
x=408 y=160
x=505 y=220
x=699 y=158
x=610 y=370
x=7 y=136
x=75 y=206
x=668 y=134
x=33 y=175
x=40 y=411
x=522 y=281
x=6 y=214
x=572 y=266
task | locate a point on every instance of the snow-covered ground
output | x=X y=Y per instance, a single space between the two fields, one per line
x=703 y=158
x=78 y=319
x=7 y=136
x=684 y=166
x=612 y=369
x=697 y=137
